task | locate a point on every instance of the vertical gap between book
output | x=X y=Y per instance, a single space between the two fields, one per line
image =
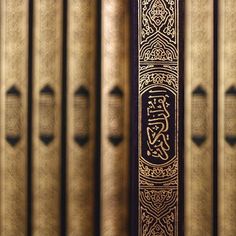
x=215 y=126
x=181 y=115
x=64 y=122
x=134 y=120
x=130 y=122
x=97 y=164
x=29 y=128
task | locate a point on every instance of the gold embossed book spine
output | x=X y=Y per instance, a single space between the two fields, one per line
x=13 y=112
x=160 y=108
x=199 y=117
x=115 y=118
x=47 y=80
x=227 y=118
x=81 y=74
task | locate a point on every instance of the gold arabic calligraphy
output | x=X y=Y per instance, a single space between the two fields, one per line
x=158 y=125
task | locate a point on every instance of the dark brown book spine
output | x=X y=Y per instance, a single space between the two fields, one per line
x=160 y=117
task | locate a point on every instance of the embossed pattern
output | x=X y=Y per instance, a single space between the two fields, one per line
x=158 y=117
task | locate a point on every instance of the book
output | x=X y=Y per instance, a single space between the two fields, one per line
x=47 y=80
x=159 y=116
x=227 y=118
x=13 y=110
x=199 y=79
x=115 y=118
x=81 y=116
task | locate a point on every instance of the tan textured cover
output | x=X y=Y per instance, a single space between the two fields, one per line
x=227 y=118
x=81 y=71
x=114 y=118
x=13 y=113
x=46 y=116
x=198 y=117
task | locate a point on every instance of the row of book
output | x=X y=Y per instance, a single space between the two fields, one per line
x=210 y=121
x=48 y=116
x=65 y=115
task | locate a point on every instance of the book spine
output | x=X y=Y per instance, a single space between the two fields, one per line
x=115 y=118
x=81 y=75
x=13 y=111
x=47 y=80
x=227 y=118
x=199 y=118
x=160 y=83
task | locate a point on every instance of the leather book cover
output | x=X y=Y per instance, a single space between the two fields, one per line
x=157 y=117
x=47 y=80
x=227 y=118
x=199 y=79
x=115 y=80
x=13 y=116
x=81 y=116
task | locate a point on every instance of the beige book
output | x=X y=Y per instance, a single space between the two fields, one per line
x=227 y=118
x=47 y=77
x=198 y=117
x=115 y=118
x=13 y=115
x=81 y=75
